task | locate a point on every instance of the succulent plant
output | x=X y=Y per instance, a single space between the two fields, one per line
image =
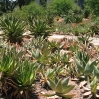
x=13 y=28
x=60 y=87
x=40 y=28
x=84 y=65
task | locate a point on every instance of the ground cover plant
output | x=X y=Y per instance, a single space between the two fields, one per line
x=32 y=67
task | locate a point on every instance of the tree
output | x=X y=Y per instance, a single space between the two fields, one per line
x=21 y=3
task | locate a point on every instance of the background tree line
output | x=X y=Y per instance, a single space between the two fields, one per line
x=9 y=5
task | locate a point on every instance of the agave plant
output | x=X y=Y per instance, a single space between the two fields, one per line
x=8 y=67
x=24 y=80
x=45 y=75
x=49 y=74
x=84 y=66
x=40 y=28
x=84 y=39
x=13 y=28
x=53 y=46
x=9 y=60
x=60 y=87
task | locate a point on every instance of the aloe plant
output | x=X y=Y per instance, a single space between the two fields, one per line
x=45 y=75
x=49 y=74
x=24 y=79
x=60 y=87
x=8 y=66
x=39 y=28
x=13 y=28
x=53 y=46
x=84 y=65
x=84 y=39
x=8 y=63
x=25 y=73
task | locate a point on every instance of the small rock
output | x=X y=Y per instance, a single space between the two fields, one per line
x=54 y=97
x=86 y=89
x=97 y=96
x=56 y=38
x=82 y=84
x=97 y=87
x=87 y=93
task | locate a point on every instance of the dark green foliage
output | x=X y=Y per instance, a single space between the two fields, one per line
x=33 y=9
x=60 y=7
x=23 y=2
x=94 y=5
x=94 y=28
x=74 y=16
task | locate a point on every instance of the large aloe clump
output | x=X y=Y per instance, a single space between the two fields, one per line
x=40 y=28
x=13 y=28
x=17 y=75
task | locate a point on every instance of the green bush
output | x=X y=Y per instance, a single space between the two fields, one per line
x=32 y=9
x=94 y=5
x=75 y=15
x=60 y=7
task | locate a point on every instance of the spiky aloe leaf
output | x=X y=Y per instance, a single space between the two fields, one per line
x=96 y=72
x=89 y=67
x=56 y=80
x=50 y=73
x=93 y=85
x=58 y=87
x=79 y=66
x=65 y=82
x=51 y=84
x=67 y=89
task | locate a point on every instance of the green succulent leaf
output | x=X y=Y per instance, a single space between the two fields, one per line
x=65 y=82
x=79 y=66
x=67 y=89
x=50 y=73
x=89 y=67
x=96 y=72
x=37 y=55
x=56 y=80
x=93 y=85
x=58 y=87
x=51 y=84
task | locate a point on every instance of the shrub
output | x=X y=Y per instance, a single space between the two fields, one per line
x=33 y=9
x=94 y=5
x=60 y=7
x=75 y=15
